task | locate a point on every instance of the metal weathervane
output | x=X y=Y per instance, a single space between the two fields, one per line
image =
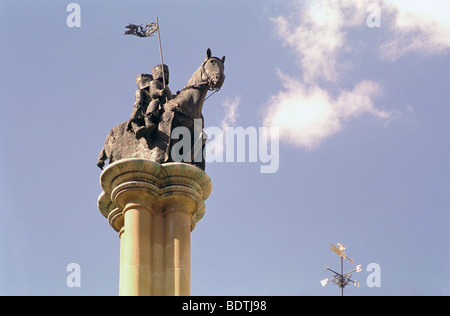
x=341 y=279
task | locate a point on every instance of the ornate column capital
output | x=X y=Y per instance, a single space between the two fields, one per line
x=161 y=187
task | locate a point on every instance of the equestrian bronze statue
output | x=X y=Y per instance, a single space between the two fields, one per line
x=157 y=113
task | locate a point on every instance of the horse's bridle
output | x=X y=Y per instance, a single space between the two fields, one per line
x=209 y=79
x=215 y=76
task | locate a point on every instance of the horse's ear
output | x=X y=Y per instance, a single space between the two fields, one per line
x=208 y=53
x=223 y=60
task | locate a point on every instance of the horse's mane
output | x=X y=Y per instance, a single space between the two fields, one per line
x=196 y=77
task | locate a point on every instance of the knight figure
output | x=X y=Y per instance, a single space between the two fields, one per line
x=150 y=96
x=136 y=122
x=160 y=93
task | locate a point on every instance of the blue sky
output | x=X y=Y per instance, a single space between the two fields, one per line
x=363 y=114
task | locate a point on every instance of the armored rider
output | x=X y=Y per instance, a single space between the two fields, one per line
x=159 y=93
x=136 y=122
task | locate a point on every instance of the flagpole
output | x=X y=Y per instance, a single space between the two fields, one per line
x=160 y=53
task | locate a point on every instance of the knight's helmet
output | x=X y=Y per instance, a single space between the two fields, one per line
x=143 y=81
x=158 y=74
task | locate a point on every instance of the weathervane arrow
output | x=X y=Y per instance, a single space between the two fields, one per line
x=340 y=251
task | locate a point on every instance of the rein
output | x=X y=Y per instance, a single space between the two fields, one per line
x=208 y=82
x=214 y=91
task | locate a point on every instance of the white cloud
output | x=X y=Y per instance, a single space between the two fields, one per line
x=316 y=31
x=416 y=26
x=306 y=113
x=215 y=146
x=320 y=35
x=231 y=115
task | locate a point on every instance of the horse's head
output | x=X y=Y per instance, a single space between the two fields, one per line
x=212 y=71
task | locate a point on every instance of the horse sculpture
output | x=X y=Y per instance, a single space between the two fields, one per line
x=184 y=110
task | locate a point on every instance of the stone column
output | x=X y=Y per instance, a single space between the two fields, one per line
x=154 y=207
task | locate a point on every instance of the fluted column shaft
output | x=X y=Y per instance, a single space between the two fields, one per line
x=154 y=208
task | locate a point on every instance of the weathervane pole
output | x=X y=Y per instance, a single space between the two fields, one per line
x=341 y=285
x=160 y=53
x=341 y=279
